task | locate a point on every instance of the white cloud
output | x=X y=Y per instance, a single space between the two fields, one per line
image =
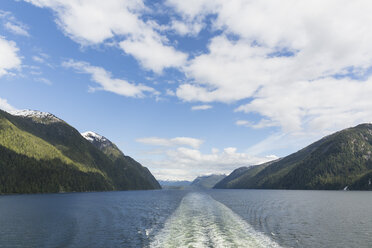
x=181 y=159
x=324 y=104
x=191 y=28
x=42 y=58
x=282 y=58
x=201 y=107
x=44 y=80
x=231 y=71
x=261 y=124
x=178 y=141
x=243 y=123
x=277 y=58
x=38 y=59
x=91 y=22
x=192 y=9
x=107 y=82
x=11 y=24
x=186 y=163
x=152 y=54
x=16 y=29
x=4 y=105
x=170 y=92
x=9 y=58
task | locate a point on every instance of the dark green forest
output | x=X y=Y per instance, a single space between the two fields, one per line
x=343 y=159
x=44 y=155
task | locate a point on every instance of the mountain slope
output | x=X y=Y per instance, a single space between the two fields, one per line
x=128 y=166
x=241 y=175
x=41 y=153
x=334 y=162
x=207 y=182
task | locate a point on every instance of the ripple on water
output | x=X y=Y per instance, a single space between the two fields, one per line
x=201 y=221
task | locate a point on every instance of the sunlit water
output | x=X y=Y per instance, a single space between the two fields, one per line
x=172 y=218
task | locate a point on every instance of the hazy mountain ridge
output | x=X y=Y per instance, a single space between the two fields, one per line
x=207 y=181
x=334 y=162
x=46 y=149
x=175 y=184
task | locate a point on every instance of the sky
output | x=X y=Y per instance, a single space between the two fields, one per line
x=193 y=87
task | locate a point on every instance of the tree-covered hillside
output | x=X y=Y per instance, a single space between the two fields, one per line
x=41 y=153
x=343 y=159
x=207 y=182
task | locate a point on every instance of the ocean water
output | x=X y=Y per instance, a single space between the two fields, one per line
x=176 y=218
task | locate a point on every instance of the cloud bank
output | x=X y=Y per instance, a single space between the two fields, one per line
x=303 y=66
x=186 y=163
x=90 y=22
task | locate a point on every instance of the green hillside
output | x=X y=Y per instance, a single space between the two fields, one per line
x=207 y=182
x=334 y=162
x=45 y=154
x=125 y=166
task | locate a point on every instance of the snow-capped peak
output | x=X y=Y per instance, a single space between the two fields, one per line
x=35 y=114
x=92 y=136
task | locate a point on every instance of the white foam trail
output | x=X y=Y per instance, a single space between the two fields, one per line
x=201 y=221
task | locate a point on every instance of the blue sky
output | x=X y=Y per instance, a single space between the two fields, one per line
x=191 y=87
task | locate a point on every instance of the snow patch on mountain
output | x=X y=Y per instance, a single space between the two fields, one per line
x=92 y=136
x=35 y=114
x=101 y=142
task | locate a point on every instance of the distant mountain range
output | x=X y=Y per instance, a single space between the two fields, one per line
x=41 y=153
x=200 y=182
x=207 y=182
x=339 y=161
x=174 y=184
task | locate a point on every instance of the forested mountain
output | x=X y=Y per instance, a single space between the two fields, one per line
x=135 y=175
x=41 y=153
x=207 y=182
x=338 y=161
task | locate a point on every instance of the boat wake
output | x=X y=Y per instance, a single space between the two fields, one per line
x=201 y=221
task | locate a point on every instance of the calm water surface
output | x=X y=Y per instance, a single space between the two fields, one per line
x=173 y=218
